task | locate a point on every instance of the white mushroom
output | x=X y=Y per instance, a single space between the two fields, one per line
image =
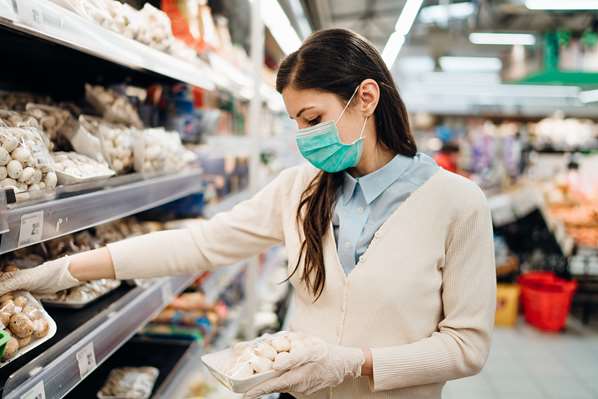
x=265 y=350
x=260 y=364
x=27 y=175
x=14 y=169
x=4 y=156
x=9 y=142
x=281 y=344
x=23 y=155
x=37 y=176
x=3 y=173
x=51 y=180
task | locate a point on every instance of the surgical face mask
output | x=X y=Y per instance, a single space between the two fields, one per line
x=322 y=147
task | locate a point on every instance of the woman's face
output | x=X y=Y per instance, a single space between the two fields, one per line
x=309 y=107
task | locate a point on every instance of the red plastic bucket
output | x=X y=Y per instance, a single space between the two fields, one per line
x=546 y=300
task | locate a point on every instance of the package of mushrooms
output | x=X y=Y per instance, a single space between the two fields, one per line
x=248 y=364
x=25 y=162
x=24 y=325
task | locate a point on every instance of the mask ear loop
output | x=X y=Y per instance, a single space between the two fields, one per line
x=346 y=106
x=361 y=135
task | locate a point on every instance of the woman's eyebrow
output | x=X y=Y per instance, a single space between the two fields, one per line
x=300 y=112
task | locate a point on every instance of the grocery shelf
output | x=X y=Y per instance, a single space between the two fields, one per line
x=48 y=21
x=227 y=203
x=174 y=359
x=217 y=282
x=109 y=202
x=57 y=370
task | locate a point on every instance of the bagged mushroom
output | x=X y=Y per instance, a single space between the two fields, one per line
x=72 y=168
x=117 y=148
x=159 y=151
x=114 y=107
x=130 y=382
x=25 y=163
x=56 y=122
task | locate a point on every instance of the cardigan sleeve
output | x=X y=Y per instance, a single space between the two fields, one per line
x=460 y=346
x=229 y=237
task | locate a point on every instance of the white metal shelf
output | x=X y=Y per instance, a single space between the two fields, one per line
x=63 y=216
x=57 y=369
x=48 y=21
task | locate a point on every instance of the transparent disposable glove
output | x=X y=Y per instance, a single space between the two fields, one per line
x=313 y=366
x=47 y=278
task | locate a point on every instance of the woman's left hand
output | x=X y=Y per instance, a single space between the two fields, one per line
x=312 y=366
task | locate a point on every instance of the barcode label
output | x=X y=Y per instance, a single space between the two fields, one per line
x=37 y=392
x=86 y=359
x=32 y=228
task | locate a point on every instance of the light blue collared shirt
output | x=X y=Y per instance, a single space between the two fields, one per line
x=365 y=203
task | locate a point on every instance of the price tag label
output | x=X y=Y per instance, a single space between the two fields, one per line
x=166 y=293
x=32 y=228
x=37 y=392
x=86 y=359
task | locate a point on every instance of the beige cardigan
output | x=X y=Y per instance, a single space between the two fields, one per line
x=422 y=296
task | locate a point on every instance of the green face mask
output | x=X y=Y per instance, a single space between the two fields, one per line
x=322 y=146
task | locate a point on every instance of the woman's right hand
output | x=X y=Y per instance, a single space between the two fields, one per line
x=48 y=278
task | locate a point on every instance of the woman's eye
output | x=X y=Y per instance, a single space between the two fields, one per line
x=314 y=121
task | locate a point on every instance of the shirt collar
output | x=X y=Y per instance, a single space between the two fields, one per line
x=375 y=183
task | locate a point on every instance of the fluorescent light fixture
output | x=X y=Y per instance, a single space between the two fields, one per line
x=562 y=4
x=280 y=26
x=407 y=17
x=590 y=96
x=402 y=28
x=451 y=64
x=509 y=39
x=297 y=8
x=392 y=48
x=442 y=13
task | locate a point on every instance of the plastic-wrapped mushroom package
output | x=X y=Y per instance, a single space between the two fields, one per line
x=117 y=148
x=155 y=29
x=25 y=163
x=114 y=107
x=83 y=294
x=157 y=150
x=72 y=167
x=10 y=118
x=56 y=122
x=130 y=383
x=259 y=355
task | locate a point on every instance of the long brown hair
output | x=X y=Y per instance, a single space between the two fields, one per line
x=337 y=61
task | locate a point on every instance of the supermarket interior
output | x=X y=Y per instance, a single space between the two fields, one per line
x=121 y=119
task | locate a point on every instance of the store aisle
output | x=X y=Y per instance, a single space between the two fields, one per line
x=525 y=363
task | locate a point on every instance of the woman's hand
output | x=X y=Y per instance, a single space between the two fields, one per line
x=47 y=278
x=311 y=367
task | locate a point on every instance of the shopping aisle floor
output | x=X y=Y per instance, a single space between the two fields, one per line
x=525 y=363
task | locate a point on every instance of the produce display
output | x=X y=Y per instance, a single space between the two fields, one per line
x=25 y=163
x=55 y=122
x=157 y=150
x=82 y=295
x=117 y=147
x=129 y=383
x=76 y=168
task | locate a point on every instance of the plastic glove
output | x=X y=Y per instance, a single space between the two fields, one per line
x=312 y=366
x=47 y=278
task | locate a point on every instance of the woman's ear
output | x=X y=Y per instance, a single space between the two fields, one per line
x=369 y=95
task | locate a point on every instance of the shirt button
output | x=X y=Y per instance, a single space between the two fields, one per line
x=347 y=244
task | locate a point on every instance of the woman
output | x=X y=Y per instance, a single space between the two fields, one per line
x=390 y=256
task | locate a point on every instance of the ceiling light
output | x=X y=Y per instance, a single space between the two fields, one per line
x=590 y=96
x=407 y=17
x=442 y=13
x=511 y=39
x=470 y=64
x=402 y=28
x=392 y=48
x=280 y=26
x=562 y=4
x=418 y=64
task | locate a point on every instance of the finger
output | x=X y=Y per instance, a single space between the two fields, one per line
x=283 y=383
x=296 y=357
